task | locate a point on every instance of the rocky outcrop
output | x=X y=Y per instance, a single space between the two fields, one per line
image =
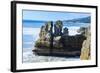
x=58 y=28
x=44 y=35
x=72 y=43
x=47 y=38
x=65 y=31
x=59 y=42
x=86 y=46
x=56 y=42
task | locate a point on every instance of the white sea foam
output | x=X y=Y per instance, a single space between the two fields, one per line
x=73 y=30
x=30 y=57
x=31 y=31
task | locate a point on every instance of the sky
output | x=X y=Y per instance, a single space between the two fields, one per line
x=51 y=15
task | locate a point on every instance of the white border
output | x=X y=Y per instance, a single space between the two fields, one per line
x=21 y=66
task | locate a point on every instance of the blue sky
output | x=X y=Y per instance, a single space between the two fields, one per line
x=48 y=15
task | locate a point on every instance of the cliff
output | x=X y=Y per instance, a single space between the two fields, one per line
x=86 y=46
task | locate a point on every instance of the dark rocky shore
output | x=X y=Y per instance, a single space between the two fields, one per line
x=60 y=43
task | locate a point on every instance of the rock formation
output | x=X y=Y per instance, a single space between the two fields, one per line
x=65 y=31
x=85 y=51
x=44 y=35
x=72 y=43
x=58 y=28
x=61 y=42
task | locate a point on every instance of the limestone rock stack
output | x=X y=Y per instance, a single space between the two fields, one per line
x=59 y=40
x=44 y=35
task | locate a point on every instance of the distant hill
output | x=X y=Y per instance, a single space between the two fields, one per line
x=73 y=22
x=38 y=21
x=80 y=20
